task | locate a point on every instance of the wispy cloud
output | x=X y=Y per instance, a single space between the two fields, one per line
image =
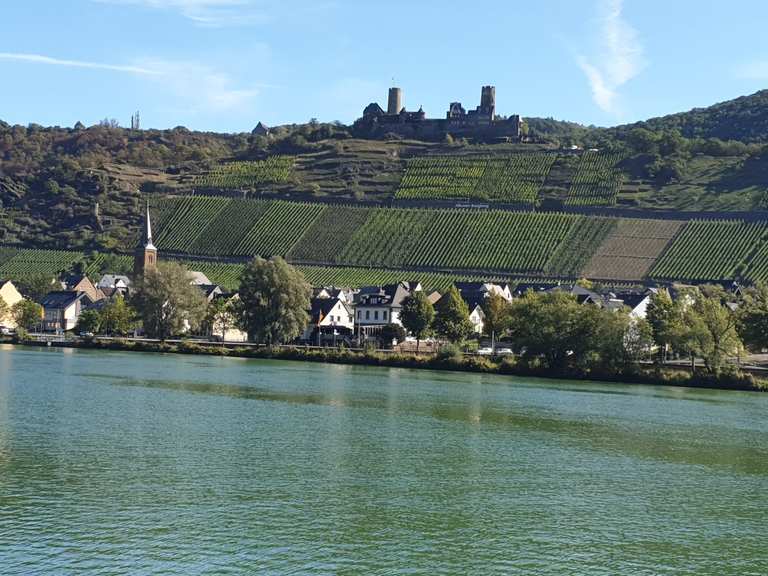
x=619 y=60
x=194 y=86
x=40 y=59
x=200 y=88
x=213 y=13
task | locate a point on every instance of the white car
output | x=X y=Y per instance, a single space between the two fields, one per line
x=485 y=351
x=504 y=350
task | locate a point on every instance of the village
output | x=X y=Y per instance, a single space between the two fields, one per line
x=405 y=316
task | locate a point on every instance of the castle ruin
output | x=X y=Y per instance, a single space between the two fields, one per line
x=480 y=123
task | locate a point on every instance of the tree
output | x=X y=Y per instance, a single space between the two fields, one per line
x=452 y=317
x=89 y=321
x=221 y=317
x=4 y=309
x=665 y=319
x=417 y=315
x=390 y=332
x=27 y=314
x=753 y=318
x=274 y=301
x=167 y=302
x=711 y=328
x=496 y=310
x=117 y=317
x=35 y=286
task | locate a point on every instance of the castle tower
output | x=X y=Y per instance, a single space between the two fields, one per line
x=488 y=101
x=145 y=257
x=395 y=102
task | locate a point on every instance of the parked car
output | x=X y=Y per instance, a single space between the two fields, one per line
x=504 y=350
x=485 y=351
x=87 y=334
x=5 y=331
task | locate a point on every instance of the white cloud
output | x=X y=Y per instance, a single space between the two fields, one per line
x=193 y=86
x=619 y=60
x=200 y=88
x=40 y=59
x=214 y=13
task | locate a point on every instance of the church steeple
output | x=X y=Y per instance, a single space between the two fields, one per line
x=146 y=253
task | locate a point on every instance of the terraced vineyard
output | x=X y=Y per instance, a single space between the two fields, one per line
x=224 y=233
x=188 y=221
x=631 y=249
x=29 y=262
x=578 y=246
x=325 y=240
x=711 y=250
x=597 y=180
x=248 y=174
x=515 y=179
x=458 y=239
x=281 y=226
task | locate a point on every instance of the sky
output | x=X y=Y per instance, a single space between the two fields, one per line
x=224 y=65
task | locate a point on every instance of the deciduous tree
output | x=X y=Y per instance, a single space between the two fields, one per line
x=417 y=314
x=452 y=317
x=167 y=301
x=274 y=301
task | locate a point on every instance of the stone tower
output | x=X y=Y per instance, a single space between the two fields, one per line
x=488 y=101
x=395 y=102
x=146 y=253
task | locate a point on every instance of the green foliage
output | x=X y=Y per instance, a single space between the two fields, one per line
x=89 y=321
x=37 y=263
x=710 y=250
x=482 y=240
x=555 y=329
x=247 y=175
x=452 y=317
x=597 y=180
x=390 y=332
x=167 y=302
x=516 y=178
x=117 y=317
x=497 y=315
x=417 y=315
x=27 y=314
x=331 y=231
x=579 y=245
x=753 y=318
x=274 y=299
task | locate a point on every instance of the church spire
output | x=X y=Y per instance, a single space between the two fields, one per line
x=146 y=253
x=148 y=231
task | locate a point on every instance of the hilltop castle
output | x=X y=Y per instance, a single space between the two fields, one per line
x=481 y=122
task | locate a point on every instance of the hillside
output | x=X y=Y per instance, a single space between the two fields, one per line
x=744 y=119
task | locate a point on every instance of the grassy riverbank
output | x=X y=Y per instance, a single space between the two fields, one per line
x=458 y=362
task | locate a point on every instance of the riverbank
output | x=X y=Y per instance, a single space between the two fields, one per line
x=507 y=365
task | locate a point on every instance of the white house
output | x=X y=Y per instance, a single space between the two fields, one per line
x=11 y=296
x=377 y=306
x=329 y=316
x=62 y=309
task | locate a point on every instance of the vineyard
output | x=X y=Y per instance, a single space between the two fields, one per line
x=27 y=262
x=325 y=240
x=631 y=249
x=597 y=180
x=247 y=175
x=515 y=179
x=578 y=246
x=711 y=250
x=458 y=239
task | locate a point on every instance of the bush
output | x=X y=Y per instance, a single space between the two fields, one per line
x=450 y=353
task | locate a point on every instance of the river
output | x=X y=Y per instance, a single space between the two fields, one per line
x=131 y=463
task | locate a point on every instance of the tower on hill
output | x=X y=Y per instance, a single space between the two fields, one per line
x=145 y=257
x=395 y=101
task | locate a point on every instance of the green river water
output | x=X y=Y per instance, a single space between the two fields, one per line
x=129 y=463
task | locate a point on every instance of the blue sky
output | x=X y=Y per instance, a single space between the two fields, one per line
x=226 y=64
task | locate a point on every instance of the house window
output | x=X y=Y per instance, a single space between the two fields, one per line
x=367 y=314
x=375 y=314
x=384 y=314
x=359 y=315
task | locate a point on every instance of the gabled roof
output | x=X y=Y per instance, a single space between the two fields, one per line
x=63 y=299
x=111 y=280
x=321 y=307
x=198 y=278
x=209 y=289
